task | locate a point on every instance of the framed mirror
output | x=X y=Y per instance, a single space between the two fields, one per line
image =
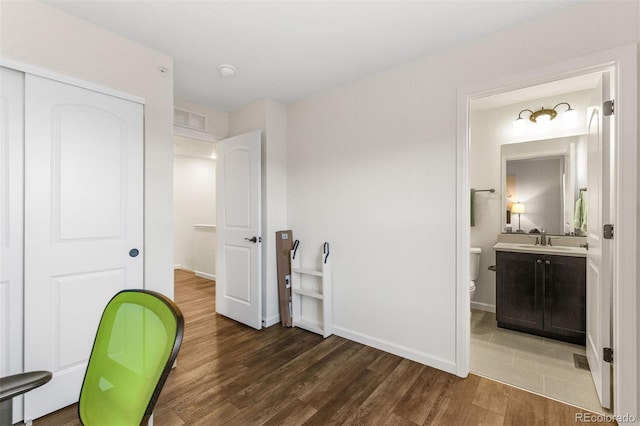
x=541 y=182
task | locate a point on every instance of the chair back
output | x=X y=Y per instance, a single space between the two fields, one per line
x=137 y=342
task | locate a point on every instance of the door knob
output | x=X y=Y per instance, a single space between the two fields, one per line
x=134 y=252
x=252 y=239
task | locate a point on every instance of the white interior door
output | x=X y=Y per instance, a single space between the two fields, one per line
x=83 y=215
x=599 y=272
x=11 y=225
x=238 y=263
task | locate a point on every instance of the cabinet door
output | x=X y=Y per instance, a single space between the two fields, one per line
x=565 y=301
x=519 y=290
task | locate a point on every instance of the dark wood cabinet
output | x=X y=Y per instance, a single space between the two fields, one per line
x=542 y=294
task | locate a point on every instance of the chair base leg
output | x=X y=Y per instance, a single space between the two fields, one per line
x=6 y=412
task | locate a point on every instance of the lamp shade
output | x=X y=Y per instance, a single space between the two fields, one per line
x=517 y=208
x=570 y=118
x=543 y=119
x=519 y=126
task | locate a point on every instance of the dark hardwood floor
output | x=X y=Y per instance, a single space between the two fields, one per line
x=229 y=374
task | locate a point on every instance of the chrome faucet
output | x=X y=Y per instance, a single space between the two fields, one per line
x=543 y=237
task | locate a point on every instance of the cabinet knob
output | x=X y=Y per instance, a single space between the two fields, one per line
x=538 y=261
x=548 y=262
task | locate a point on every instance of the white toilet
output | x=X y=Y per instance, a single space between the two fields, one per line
x=474 y=270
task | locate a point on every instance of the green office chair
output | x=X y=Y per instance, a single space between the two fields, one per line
x=137 y=342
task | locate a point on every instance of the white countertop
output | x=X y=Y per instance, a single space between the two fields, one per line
x=530 y=248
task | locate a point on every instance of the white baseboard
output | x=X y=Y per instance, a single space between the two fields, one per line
x=421 y=357
x=479 y=306
x=205 y=275
x=273 y=320
x=177 y=266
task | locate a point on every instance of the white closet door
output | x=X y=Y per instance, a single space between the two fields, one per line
x=83 y=216
x=11 y=224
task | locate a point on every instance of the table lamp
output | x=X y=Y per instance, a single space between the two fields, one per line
x=518 y=209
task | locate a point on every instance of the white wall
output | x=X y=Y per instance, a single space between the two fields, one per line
x=194 y=202
x=270 y=117
x=372 y=170
x=39 y=35
x=275 y=199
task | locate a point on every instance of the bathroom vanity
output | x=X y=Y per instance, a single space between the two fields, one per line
x=542 y=290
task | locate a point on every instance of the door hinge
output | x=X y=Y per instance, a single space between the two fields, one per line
x=608 y=231
x=608 y=108
x=607 y=354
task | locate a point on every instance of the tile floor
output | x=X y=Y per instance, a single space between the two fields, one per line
x=538 y=364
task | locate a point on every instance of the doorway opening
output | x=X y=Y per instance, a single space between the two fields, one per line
x=214 y=183
x=520 y=334
x=194 y=206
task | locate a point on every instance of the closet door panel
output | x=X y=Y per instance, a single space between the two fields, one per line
x=11 y=225
x=87 y=165
x=83 y=214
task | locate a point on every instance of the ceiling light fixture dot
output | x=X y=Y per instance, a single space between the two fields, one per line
x=226 y=70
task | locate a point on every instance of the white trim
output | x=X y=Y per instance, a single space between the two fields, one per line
x=205 y=275
x=272 y=320
x=52 y=75
x=625 y=254
x=625 y=318
x=383 y=345
x=177 y=266
x=194 y=134
x=486 y=307
x=463 y=237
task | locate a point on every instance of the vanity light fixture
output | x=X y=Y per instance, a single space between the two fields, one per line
x=545 y=115
x=518 y=209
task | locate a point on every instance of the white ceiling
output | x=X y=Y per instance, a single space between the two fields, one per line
x=288 y=50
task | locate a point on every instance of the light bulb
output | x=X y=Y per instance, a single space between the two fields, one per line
x=544 y=119
x=570 y=119
x=519 y=126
